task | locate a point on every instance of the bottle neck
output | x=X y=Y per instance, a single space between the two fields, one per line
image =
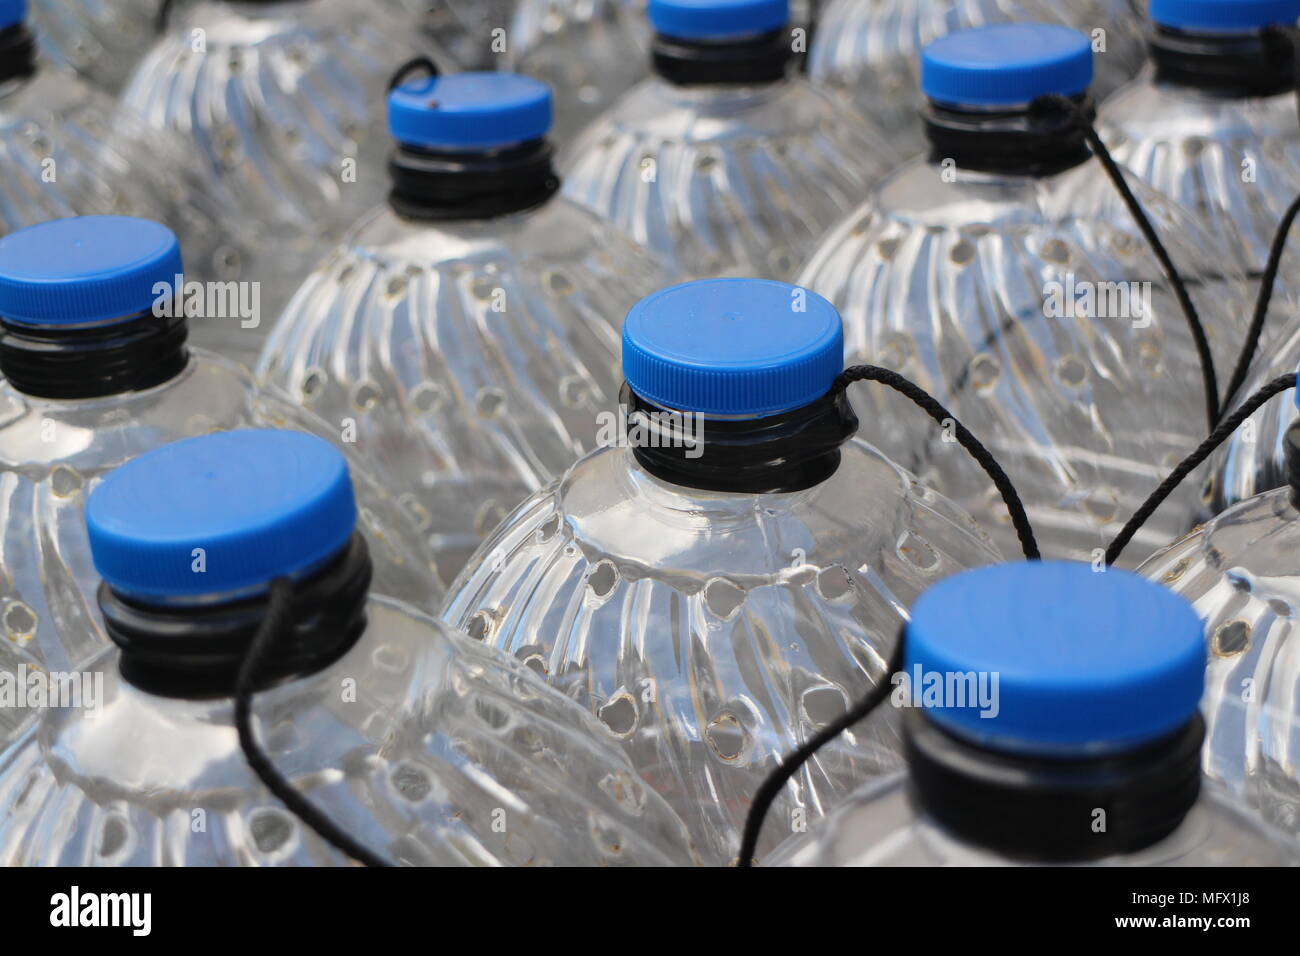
x=429 y=184
x=745 y=62
x=58 y=362
x=195 y=651
x=777 y=454
x=1231 y=65
x=1018 y=142
x=1054 y=810
x=17 y=53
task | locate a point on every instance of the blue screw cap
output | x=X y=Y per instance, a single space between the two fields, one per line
x=1227 y=15
x=749 y=347
x=715 y=19
x=222 y=514
x=12 y=12
x=1008 y=64
x=469 y=111
x=86 y=270
x=1086 y=662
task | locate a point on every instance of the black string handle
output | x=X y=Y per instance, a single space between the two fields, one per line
x=163 y=15
x=1194 y=460
x=982 y=456
x=1084 y=122
x=1266 y=283
x=410 y=68
x=775 y=782
x=272 y=627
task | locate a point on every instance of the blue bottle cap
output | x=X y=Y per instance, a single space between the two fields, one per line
x=1226 y=15
x=469 y=111
x=86 y=270
x=220 y=515
x=1077 y=662
x=714 y=19
x=1008 y=64
x=749 y=347
x=12 y=12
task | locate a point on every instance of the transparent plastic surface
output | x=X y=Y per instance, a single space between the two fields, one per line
x=448 y=755
x=1242 y=573
x=53 y=454
x=870 y=52
x=100 y=39
x=590 y=52
x=1253 y=459
x=726 y=181
x=284 y=104
x=1035 y=311
x=712 y=633
x=880 y=826
x=1234 y=162
x=465 y=28
x=474 y=357
x=67 y=150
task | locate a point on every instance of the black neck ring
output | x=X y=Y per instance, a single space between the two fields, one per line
x=58 y=362
x=1054 y=810
x=196 y=651
x=1232 y=65
x=17 y=53
x=1021 y=142
x=747 y=61
x=437 y=185
x=789 y=452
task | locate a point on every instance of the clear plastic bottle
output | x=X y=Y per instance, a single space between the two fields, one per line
x=68 y=149
x=726 y=162
x=296 y=150
x=1239 y=572
x=96 y=371
x=732 y=571
x=1005 y=276
x=1079 y=747
x=100 y=39
x=870 y=52
x=421 y=746
x=466 y=29
x=469 y=327
x=1212 y=123
x=590 y=52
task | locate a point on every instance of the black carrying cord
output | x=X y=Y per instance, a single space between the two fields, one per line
x=273 y=626
x=411 y=66
x=1194 y=460
x=775 y=782
x=1116 y=176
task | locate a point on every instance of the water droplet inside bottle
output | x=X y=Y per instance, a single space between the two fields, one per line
x=727 y=736
x=1231 y=639
x=723 y=598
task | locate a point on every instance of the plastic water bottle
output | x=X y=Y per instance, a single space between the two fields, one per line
x=67 y=149
x=468 y=29
x=101 y=41
x=1212 y=121
x=870 y=52
x=732 y=570
x=725 y=162
x=296 y=151
x=469 y=327
x=419 y=745
x=590 y=52
x=1052 y=718
x=1239 y=573
x=96 y=371
x=1004 y=275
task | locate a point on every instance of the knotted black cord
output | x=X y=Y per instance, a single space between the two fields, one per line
x=775 y=782
x=1262 y=301
x=1193 y=461
x=410 y=66
x=982 y=456
x=273 y=625
x=1116 y=176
